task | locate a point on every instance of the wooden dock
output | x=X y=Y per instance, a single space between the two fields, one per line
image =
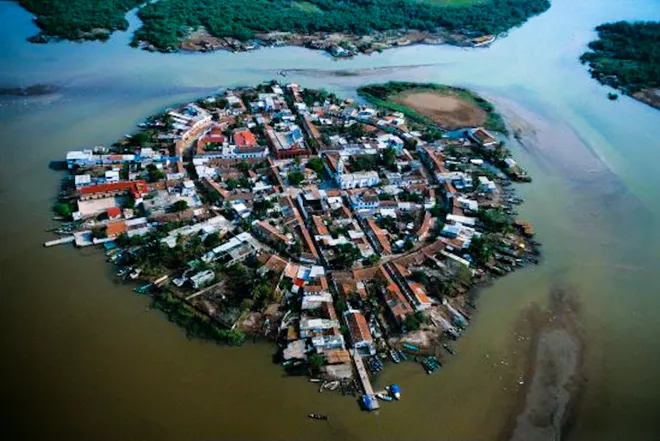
x=364 y=378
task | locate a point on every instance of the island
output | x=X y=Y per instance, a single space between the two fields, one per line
x=348 y=233
x=340 y=27
x=626 y=56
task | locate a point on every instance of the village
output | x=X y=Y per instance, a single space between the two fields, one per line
x=349 y=235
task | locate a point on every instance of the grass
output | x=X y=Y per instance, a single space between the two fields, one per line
x=382 y=95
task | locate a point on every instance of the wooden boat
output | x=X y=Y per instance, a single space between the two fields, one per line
x=384 y=397
x=318 y=416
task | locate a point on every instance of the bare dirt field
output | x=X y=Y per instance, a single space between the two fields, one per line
x=450 y=112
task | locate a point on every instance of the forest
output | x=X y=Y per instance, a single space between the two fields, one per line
x=78 y=19
x=165 y=22
x=626 y=56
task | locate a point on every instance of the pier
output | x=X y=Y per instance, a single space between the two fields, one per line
x=52 y=243
x=364 y=379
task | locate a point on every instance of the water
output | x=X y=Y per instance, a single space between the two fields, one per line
x=83 y=359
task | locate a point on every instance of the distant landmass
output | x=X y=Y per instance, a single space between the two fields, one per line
x=626 y=56
x=342 y=27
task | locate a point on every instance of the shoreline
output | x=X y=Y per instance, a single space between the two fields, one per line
x=337 y=45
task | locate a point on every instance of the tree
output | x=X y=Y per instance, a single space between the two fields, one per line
x=179 y=206
x=316 y=164
x=63 y=209
x=212 y=240
x=389 y=158
x=295 y=177
x=316 y=362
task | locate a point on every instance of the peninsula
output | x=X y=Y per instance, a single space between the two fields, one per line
x=346 y=233
x=626 y=56
x=342 y=28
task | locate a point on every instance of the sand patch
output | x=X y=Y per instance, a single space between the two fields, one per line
x=448 y=111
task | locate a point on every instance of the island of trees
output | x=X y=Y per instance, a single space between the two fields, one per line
x=166 y=23
x=626 y=56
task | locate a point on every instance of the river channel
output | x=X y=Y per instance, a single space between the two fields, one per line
x=83 y=358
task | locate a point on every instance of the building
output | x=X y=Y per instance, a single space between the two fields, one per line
x=202 y=278
x=358 y=329
x=483 y=138
x=134 y=188
x=271 y=234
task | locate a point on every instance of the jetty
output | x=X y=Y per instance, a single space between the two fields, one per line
x=52 y=243
x=371 y=403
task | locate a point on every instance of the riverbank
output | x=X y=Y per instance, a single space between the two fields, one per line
x=339 y=28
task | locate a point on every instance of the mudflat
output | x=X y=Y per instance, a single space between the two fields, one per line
x=449 y=111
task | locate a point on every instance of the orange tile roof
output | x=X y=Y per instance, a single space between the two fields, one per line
x=244 y=138
x=115 y=228
x=357 y=325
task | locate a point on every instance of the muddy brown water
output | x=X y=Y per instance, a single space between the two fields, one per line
x=83 y=359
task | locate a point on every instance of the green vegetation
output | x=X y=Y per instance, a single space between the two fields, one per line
x=79 y=19
x=316 y=164
x=165 y=22
x=63 y=209
x=381 y=94
x=179 y=206
x=626 y=56
x=295 y=177
x=194 y=322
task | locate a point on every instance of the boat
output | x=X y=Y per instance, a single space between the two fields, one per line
x=394 y=356
x=142 y=289
x=384 y=397
x=402 y=355
x=411 y=347
x=395 y=390
x=449 y=349
x=331 y=385
x=318 y=416
x=315 y=380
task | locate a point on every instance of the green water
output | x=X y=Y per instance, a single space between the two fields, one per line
x=83 y=358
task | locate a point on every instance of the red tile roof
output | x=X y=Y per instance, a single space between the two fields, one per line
x=137 y=187
x=357 y=325
x=244 y=138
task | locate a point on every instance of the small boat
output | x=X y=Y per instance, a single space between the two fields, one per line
x=403 y=356
x=394 y=356
x=411 y=347
x=143 y=289
x=318 y=416
x=331 y=385
x=315 y=380
x=449 y=349
x=384 y=397
x=395 y=390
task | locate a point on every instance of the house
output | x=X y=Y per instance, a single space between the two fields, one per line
x=271 y=234
x=113 y=213
x=202 y=278
x=358 y=329
x=82 y=180
x=114 y=229
x=486 y=185
x=483 y=138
